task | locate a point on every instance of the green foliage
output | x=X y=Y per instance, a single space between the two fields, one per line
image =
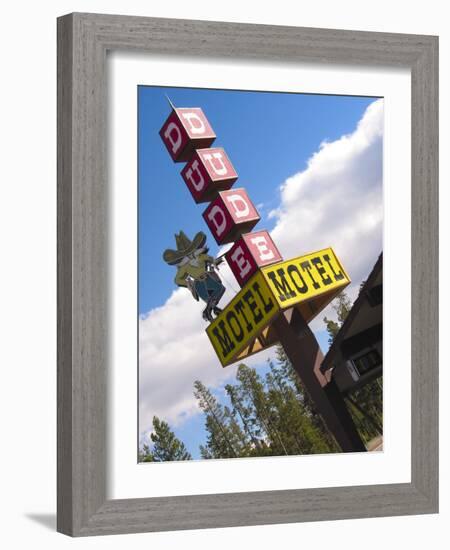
x=290 y=417
x=332 y=329
x=166 y=446
x=341 y=305
x=271 y=415
x=303 y=397
x=145 y=454
x=268 y=416
x=225 y=438
x=366 y=407
x=365 y=404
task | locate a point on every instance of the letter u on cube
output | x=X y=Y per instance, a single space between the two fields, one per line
x=208 y=172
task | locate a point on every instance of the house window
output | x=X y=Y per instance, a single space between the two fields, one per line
x=367 y=361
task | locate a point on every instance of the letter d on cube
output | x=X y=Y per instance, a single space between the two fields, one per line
x=230 y=215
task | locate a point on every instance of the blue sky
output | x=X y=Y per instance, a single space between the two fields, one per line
x=269 y=138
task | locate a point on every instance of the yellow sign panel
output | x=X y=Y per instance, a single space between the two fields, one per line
x=243 y=319
x=305 y=277
x=308 y=282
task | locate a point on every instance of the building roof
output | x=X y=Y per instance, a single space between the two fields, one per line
x=348 y=326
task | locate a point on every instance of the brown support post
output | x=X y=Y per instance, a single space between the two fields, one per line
x=303 y=350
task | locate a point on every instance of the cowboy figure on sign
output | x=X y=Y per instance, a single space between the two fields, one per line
x=197 y=271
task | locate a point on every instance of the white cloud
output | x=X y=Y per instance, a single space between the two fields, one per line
x=174 y=351
x=336 y=201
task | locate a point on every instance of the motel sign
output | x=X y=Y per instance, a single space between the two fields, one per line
x=308 y=283
x=268 y=285
x=278 y=298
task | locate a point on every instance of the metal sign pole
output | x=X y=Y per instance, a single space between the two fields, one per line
x=302 y=349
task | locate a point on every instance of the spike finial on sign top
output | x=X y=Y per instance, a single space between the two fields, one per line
x=170 y=102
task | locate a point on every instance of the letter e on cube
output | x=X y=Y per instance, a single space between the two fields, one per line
x=250 y=252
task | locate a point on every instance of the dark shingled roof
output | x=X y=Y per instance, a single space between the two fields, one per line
x=327 y=362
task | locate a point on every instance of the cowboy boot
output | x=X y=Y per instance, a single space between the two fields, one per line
x=207 y=315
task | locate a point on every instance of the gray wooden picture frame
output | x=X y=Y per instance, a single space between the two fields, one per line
x=83 y=41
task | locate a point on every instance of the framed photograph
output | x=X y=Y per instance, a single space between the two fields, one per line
x=247 y=274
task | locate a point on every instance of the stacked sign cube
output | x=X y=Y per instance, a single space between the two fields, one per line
x=249 y=253
x=268 y=284
x=209 y=175
x=230 y=214
x=184 y=131
x=208 y=172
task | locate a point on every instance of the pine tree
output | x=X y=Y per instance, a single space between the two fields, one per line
x=332 y=329
x=166 y=446
x=284 y=414
x=205 y=452
x=288 y=372
x=145 y=454
x=366 y=407
x=243 y=413
x=225 y=439
x=341 y=305
x=238 y=436
x=365 y=404
x=263 y=414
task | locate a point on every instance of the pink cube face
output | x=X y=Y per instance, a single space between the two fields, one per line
x=230 y=215
x=250 y=252
x=262 y=248
x=184 y=131
x=217 y=164
x=241 y=262
x=208 y=172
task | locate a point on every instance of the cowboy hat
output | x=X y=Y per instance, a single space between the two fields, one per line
x=184 y=247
